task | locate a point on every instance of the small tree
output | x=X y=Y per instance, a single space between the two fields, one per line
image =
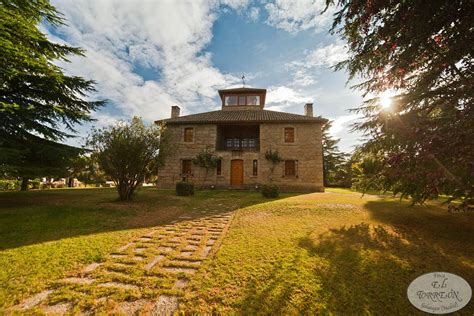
x=335 y=162
x=274 y=158
x=128 y=153
x=207 y=160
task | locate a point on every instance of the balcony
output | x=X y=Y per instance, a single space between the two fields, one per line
x=238 y=137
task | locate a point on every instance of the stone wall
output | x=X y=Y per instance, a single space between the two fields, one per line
x=307 y=150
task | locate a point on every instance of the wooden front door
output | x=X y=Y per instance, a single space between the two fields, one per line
x=236 y=172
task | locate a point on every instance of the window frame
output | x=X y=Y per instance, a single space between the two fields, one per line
x=192 y=135
x=229 y=96
x=295 y=168
x=245 y=97
x=285 y=129
x=219 y=167
x=186 y=161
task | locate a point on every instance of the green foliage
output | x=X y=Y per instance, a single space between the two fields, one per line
x=39 y=104
x=270 y=190
x=38 y=157
x=424 y=55
x=7 y=185
x=273 y=156
x=127 y=153
x=336 y=167
x=208 y=161
x=184 y=188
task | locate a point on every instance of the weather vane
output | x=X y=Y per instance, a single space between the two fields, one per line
x=243 y=80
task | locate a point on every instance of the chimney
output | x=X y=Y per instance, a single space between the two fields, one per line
x=308 y=109
x=175 y=111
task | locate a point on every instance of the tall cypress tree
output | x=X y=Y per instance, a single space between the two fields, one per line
x=39 y=104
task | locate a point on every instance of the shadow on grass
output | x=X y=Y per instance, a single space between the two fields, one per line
x=28 y=218
x=370 y=266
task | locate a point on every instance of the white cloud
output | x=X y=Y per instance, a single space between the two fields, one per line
x=343 y=124
x=327 y=56
x=281 y=98
x=299 y=15
x=303 y=78
x=165 y=37
x=254 y=14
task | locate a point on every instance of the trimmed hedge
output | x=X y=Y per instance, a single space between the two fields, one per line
x=270 y=190
x=184 y=188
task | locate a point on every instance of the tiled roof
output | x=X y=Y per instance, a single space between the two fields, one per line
x=240 y=116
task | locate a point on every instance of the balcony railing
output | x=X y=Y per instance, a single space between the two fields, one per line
x=240 y=144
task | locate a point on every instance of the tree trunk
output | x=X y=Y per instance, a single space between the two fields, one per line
x=24 y=183
x=70 y=182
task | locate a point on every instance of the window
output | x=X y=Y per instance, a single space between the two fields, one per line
x=219 y=167
x=245 y=143
x=228 y=142
x=242 y=100
x=231 y=100
x=253 y=100
x=186 y=166
x=290 y=167
x=236 y=143
x=289 y=135
x=188 y=134
x=251 y=142
x=255 y=167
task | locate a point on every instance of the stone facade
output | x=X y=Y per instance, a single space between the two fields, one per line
x=306 y=150
x=241 y=134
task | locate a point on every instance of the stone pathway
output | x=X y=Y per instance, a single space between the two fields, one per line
x=146 y=276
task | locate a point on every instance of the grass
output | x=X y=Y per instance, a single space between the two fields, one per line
x=46 y=234
x=333 y=253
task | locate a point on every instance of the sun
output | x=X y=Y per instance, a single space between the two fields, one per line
x=385 y=100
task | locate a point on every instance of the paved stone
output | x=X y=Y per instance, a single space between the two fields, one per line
x=119 y=285
x=91 y=267
x=206 y=252
x=179 y=269
x=165 y=305
x=165 y=249
x=181 y=283
x=139 y=250
x=34 y=300
x=58 y=309
x=125 y=247
x=155 y=261
x=78 y=280
x=131 y=308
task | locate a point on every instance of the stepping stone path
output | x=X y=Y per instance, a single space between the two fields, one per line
x=144 y=277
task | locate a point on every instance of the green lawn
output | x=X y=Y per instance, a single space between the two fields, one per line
x=46 y=234
x=332 y=253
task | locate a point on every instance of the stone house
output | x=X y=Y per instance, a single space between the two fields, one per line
x=241 y=133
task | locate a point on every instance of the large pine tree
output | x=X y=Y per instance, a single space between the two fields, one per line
x=422 y=51
x=39 y=104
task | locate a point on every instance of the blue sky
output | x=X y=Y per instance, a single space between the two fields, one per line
x=147 y=55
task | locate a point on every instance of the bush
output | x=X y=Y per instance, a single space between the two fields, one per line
x=35 y=184
x=9 y=185
x=270 y=191
x=184 y=188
